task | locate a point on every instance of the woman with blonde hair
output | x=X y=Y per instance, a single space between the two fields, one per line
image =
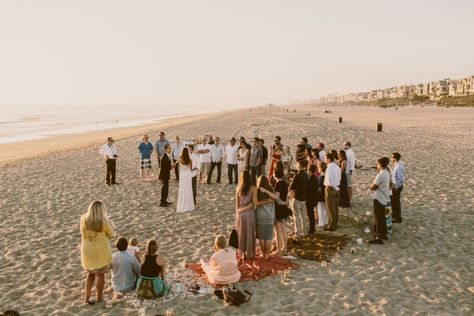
x=222 y=269
x=151 y=283
x=96 y=253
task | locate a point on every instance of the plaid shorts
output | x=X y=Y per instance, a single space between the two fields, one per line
x=145 y=163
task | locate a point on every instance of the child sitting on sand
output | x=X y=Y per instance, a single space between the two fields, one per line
x=133 y=248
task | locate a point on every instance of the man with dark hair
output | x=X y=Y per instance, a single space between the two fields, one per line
x=351 y=159
x=255 y=160
x=381 y=197
x=264 y=157
x=109 y=153
x=160 y=147
x=125 y=269
x=322 y=153
x=332 y=180
x=217 y=155
x=298 y=194
x=165 y=170
x=398 y=176
x=231 y=151
x=304 y=141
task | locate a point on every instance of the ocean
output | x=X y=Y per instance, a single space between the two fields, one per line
x=21 y=123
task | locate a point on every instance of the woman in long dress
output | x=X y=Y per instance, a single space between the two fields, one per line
x=185 y=193
x=287 y=159
x=245 y=217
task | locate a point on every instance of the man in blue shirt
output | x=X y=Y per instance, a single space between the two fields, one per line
x=125 y=269
x=398 y=176
x=146 y=149
x=160 y=147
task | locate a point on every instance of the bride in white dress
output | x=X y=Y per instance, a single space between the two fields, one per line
x=185 y=193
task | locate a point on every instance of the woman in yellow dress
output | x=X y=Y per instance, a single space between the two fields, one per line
x=96 y=253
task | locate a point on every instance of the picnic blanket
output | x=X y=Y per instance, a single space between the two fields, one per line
x=255 y=269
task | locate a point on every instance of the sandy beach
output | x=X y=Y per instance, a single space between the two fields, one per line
x=425 y=268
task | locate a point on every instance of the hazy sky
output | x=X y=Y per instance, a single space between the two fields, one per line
x=225 y=52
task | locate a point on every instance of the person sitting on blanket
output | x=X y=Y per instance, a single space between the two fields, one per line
x=222 y=269
x=151 y=283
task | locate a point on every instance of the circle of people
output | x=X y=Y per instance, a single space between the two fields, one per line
x=264 y=204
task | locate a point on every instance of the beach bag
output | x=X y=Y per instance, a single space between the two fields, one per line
x=233 y=296
x=146 y=290
x=234 y=239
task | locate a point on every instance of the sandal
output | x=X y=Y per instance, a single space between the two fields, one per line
x=90 y=301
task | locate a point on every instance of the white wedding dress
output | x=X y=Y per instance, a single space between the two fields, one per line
x=185 y=193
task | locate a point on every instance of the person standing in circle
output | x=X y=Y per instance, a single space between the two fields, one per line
x=96 y=253
x=109 y=152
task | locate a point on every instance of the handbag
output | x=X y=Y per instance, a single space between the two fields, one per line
x=234 y=239
x=233 y=296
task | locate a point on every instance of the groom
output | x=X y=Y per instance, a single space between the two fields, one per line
x=164 y=176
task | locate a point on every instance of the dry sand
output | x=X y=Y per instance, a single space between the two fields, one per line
x=426 y=267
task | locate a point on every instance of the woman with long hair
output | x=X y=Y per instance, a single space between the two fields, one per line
x=344 y=187
x=243 y=157
x=264 y=202
x=185 y=192
x=287 y=159
x=245 y=216
x=96 y=253
x=151 y=283
x=282 y=212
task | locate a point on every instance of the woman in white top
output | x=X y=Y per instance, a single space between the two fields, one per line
x=287 y=159
x=222 y=269
x=242 y=157
x=185 y=193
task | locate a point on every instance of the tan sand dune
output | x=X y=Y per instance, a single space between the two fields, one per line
x=426 y=267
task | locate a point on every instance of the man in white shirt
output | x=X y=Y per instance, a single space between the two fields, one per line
x=195 y=169
x=109 y=153
x=351 y=159
x=322 y=153
x=381 y=197
x=217 y=155
x=204 y=151
x=398 y=176
x=231 y=151
x=176 y=151
x=332 y=180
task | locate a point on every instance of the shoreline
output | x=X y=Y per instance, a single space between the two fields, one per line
x=13 y=153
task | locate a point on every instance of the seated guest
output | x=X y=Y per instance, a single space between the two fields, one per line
x=133 y=248
x=222 y=268
x=125 y=269
x=151 y=282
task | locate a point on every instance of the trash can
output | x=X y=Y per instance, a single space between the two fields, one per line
x=379 y=127
x=340 y=119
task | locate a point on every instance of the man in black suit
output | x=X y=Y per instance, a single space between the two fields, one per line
x=166 y=165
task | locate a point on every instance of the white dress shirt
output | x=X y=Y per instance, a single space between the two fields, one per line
x=322 y=153
x=217 y=152
x=351 y=159
x=207 y=156
x=333 y=176
x=108 y=150
x=231 y=153
x=177 y=149
x=382 y=180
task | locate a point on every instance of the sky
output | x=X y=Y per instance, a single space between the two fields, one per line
x=225 y=52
